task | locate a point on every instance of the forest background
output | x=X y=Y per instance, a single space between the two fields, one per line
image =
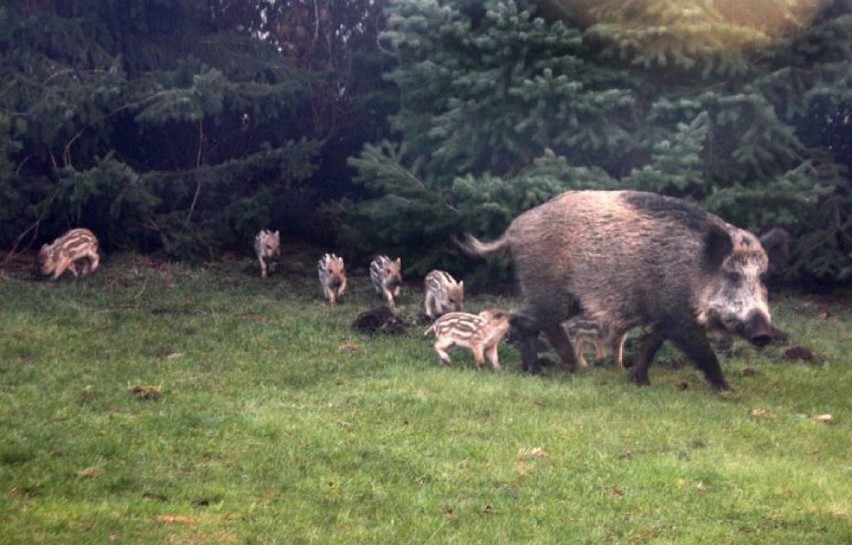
x=184 y=126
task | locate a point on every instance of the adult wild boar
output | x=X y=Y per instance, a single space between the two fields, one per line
x=629 y=259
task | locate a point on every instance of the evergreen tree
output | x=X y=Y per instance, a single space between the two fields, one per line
x=491 y=95
x=688 y=98
x=170 y=124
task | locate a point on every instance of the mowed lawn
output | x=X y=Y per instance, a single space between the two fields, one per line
x=158 y=403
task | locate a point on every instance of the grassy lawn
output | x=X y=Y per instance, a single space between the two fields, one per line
x=156 y=403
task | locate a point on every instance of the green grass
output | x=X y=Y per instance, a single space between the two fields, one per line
x=277 y=423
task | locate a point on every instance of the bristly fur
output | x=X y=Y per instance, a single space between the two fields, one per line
x=630 y=259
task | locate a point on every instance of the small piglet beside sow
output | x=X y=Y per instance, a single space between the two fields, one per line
x=629 y=259
x=481 y=333
x=76 y=250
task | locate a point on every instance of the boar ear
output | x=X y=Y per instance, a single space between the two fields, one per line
x=776 y=242
x=717 y=246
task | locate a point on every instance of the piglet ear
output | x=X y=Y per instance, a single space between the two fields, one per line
x=461 y=283
x=717 y=246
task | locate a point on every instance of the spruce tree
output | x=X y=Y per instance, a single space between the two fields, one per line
x=687 y=98
x=177 y=124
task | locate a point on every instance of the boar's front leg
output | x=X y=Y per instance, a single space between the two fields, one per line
x=694 y=343
x=649 y=344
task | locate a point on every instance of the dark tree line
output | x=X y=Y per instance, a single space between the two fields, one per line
x=184 y=126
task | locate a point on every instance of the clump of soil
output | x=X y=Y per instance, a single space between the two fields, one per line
x=797 y=353
x=379 y=320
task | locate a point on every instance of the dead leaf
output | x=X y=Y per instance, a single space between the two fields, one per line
x=701 y=487
x=487 y=510
x=824 y=418
x=762 y=413
x=172 y=519
x=89 y=473
x=616 y=492
x=145 y=392
x=748 y=371
x=350 y=347
x=174 y=356
x=530 y=453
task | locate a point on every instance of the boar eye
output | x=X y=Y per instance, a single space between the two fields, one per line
x=733 y=277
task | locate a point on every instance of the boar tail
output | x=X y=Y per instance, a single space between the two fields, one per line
x=469 y=245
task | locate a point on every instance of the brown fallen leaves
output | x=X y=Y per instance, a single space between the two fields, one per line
x=175 y=519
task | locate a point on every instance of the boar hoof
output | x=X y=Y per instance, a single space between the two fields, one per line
x=723 y=386
x=641 y=379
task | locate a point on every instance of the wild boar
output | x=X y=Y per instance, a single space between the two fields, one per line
x=332 y=277
x=442 y=294
x=267 y=248
x=481 y=333
x=630 y=259
x=76 y=250
x=386 y=275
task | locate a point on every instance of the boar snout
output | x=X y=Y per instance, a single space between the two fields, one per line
x=757 y=330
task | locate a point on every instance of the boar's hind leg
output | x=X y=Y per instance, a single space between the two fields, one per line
x=527 y=342
x=561 y=343
x=649 y=344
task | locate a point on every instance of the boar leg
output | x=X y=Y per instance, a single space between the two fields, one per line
x=441 y=348
x=649 y=344
x=478 y=356
x=526 y=334
x=560 y=342
x=491 y=353
x=695 y=345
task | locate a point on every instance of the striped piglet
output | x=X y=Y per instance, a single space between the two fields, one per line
x=267 y=248
x=76 y=250
x=583 y=331
x=443 y=294
x=386 y=275
x=332 y=277
x=481 y=333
